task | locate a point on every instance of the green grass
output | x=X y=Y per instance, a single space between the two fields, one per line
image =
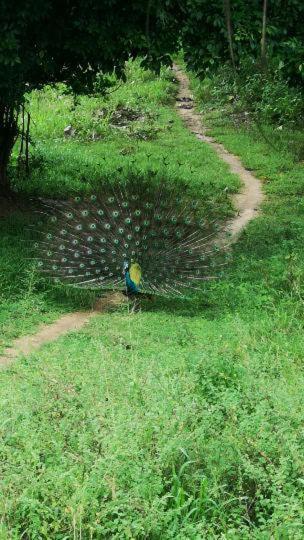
x=184 y=421
x=61 y=167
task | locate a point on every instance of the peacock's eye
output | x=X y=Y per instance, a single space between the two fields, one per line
x=76 y=254
x=93 y=198
x=103 y=240
x=92 y=226
x=90 y=239
x=79 y=227
x=69 y=215
x=128 y=220
x=75 y=242
x=53 y=219
x=49 y=236
x=100 y=212
x=84 y=213
x=111 y=199
x=107 y=226
x=115 y=214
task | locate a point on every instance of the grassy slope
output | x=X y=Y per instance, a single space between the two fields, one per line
x=63 y=166
x=182 y=422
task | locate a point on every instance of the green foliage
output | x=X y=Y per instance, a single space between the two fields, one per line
x=204 y=35
x=49 y=42
x=262 y=96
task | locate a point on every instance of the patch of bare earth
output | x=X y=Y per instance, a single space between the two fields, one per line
x=247 y=203
x=49 y=332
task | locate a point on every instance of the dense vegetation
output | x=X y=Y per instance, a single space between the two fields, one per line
x=183 y=421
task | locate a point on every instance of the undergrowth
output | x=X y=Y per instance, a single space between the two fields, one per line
x=184 y=421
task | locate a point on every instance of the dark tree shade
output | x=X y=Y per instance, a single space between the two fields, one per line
x=46 y=41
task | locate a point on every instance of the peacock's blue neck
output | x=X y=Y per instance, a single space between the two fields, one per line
x=131 y=286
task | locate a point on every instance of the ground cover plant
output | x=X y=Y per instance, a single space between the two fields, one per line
x=183 y=421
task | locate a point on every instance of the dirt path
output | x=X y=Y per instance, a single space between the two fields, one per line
x=247 y=203
x=49 y=332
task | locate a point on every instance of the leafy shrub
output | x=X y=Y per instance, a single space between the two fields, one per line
x=264 y=95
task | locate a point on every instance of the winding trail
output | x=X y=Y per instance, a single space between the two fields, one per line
x=247 y=203
x=248 y=200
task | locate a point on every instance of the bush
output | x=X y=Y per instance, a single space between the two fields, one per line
x=263 y=95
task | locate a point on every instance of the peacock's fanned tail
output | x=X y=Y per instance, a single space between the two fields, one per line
x=86 y=241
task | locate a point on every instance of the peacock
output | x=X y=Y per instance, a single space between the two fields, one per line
x=141 y=237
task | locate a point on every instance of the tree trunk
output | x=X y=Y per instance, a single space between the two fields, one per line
x=8 y=135
x=227 y=11
x=263 y=39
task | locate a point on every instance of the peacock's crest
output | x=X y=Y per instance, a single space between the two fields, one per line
x=156 y=232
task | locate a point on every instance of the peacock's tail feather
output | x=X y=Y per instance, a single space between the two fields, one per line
x=158 y=229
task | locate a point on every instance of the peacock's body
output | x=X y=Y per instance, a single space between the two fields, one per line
x=139 y=237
